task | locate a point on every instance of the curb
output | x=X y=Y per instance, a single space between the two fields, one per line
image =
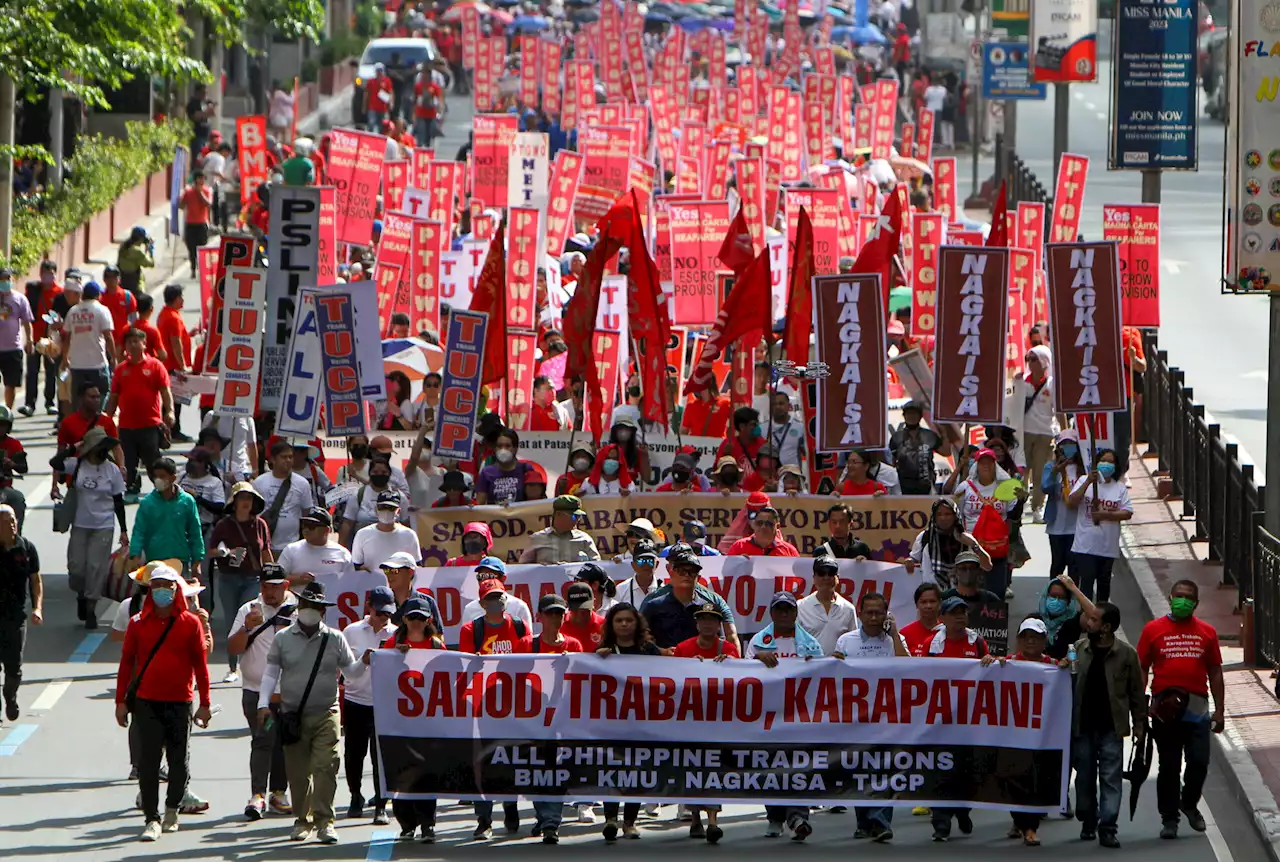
x=1244 y=777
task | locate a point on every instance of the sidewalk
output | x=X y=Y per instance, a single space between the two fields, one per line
x=1158 y=552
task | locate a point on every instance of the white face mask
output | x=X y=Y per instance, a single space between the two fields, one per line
x=581 y=464
x=310 y=617
x=386 y=516
x=163 y=485
x=505 y=456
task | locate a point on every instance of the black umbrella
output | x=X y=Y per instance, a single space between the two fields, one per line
x=584 y=16
x=1140 y=760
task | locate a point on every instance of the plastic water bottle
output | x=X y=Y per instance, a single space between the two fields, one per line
x=1071 y=657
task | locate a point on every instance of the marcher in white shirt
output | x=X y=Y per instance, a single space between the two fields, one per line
x=875 y=638
x=1039 y=422
x=357 y=702
x=250 y=638
x=1102 y=502
x=825 y=613
x=283 y=517
x=379 y=541
x=315 y=556
x=644 y=565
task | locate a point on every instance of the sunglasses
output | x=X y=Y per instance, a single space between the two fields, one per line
x=432 y=385
x=382 y=613
x=422 y=618
x=647 y=562
x=766 y=523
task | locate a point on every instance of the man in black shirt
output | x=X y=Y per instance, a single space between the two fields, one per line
x=843 y=544
x=19 y=577
x=200 y=110
x=912 y=448
x=968 y=575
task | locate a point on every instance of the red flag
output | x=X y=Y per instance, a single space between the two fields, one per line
x=998 y=236
x=491 y=297
x=737 y=251
x=880 y=248
x=751 y=300
x=580 y=311
x=795 y=338
x=650 y=322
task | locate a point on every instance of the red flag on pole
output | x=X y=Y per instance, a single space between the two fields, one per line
x=491 y=296
x=737 y=251
x=650 y=322
x=795 y=338
x=751 y=300
x=878 y=252
x=998 y=236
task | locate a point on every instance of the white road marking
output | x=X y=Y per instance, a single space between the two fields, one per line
x=1259 y=374
x=50 y=695
x=1174 y=266
x=1219 y=844
x=40 y=493
x=1101 y=116
x=1091 y=106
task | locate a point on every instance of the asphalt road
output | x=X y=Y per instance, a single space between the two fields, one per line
x=1219 y=341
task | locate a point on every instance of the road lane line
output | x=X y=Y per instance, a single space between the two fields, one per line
x=20 y=734
x=40 y=493
x=381 y=844
x=87 y=647
x=50 y=695
x=1218 y=843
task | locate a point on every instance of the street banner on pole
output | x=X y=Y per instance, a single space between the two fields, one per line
x=251 y=149
x=344 y=411
x=1006 y=73
x=848 y=319
x=1155 y=81
x=237 y=391
x=460 y=392
x=1064 y=41
x=295 y=263
x=1135 y=228
x=1084 y=317
x=973 y=319
x=1068 y=201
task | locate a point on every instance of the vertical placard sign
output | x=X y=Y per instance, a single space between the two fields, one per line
x=460 y=393
x=973 y=318
x=344 y=413
x=295 y=263
x=1084 y=318
x=237 y=390
x=848 y=318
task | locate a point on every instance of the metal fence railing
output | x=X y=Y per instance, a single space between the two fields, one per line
x=1217 y=490
x=1022 y=183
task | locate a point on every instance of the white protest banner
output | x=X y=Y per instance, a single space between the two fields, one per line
x=746 y=583
x=349 y=590
x=238 y=376
x=932 y=732
x=295 y=263
x=416 y=203
x=459 y=271
x=529 y=171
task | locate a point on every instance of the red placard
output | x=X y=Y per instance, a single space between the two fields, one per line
x=520 y=374
x=393 y=251
x=1136 y=230
x=908 y=140
x=355 y=171
x=718 y=170
x=1030 y=235
x=697 y=232
x=522 y=268
x=1084 y=312
x=551 y=89
x=864 y=124
x=823 y=207
x=815 y=132
x=387 y=279
x=446 y=191
x=848 y=234
x=566 y=174
x=972 y=322
x=944 y=187
x=1014 y=348
x=420 y=168
x=493 y=139
x=425 y=250
x=1069 y=199
x=926 y=241
x=924 y=136
x=1022 y=281
x=483 y=87
x=395 y=177
x=207 y=261
x=792 y=149
x=751 y=182
x=606 y=347
x=607 y=150
x=958 y=236
x=327 y=264
x=663 y=124
x=251 y=146
x=528 y=43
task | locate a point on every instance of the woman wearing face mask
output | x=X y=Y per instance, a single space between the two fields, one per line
x=581 y=459
x=1063 y=608
x=200 y=479
x=362 y=508
x=1056 y=480
x=476 y=542
x=1102 y=503
x=454 y=490
x=396 y=413
x=636 y=455
x=502 y=481
x=99 y=507
x=238 y=547
x=684 y=477
x=609 y=476
x=936 y=547
x=357 y=467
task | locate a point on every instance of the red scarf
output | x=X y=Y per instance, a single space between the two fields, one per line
x=597 y=469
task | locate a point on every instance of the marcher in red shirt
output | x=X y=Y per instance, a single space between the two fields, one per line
x=1181 y=650
x=919 y=634
x=417 y=632
x=495 y=633
x=74 y=426
x=49 y=291
x=765 y=539
x=956 y=639
x=582 y=623
x=856 y=481
x=140 y=388
x=170 y=640
x=746 y=441
x=552 y=639
x=902 y=51
x=706 y=415
x=174 y=336
x=427 y=96
x=708 y=644
x=379 y=93
x=122 y=304
x=155 y=344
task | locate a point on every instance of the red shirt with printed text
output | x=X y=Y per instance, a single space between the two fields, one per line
x=1180 y=653
x=496 y=640
x=690 y=649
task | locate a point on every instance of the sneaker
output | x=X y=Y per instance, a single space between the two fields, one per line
x=650 y=809
x=920 y=811
x=137 y=801
x=773 y=830
x=859 y=834
x=1038 y=516
x=801 y=830
x=356 y=809
x=940 y=837
x=884 y=836
x=50 y=410
x=256 y=808
x=231 y=676
x=151 y=832
x=965 y=822
x=484 y=831
x=1169 y=830
x=301 y=832
x=380 y=817
x=683 y=814
x=278 y=803
x=511 y=823
x=428 y=835
x=610 y=831
x=192 y=804
x=407 y=834
x=629 y=830
x=586 y=814
x=1194 y=818
x=81 y=608
x=1008 y=593
x=714 y=834
x=179 y=437
x=26 y=410
x=697 y=830
x=1088 y=833
x=133 y=773
x=327 y=834
x=839 y=809
x=1109 y=839
x=164 y=772
x=170 y=822
x=91 y=619
x=550 y=835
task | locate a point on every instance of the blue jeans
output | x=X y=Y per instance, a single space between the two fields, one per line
x=548 y=815
x=233 y=591
x=871 y=819
x=1098 y=759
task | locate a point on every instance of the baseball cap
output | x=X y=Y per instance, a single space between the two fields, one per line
x=568 y=503
x=709 y=610
x=399 y=560
x=388 y=500
x=591 y=572
x=984 y=453
x=381 y=599
x=92 y=290
x=1032 y=624
x=493 y=564
x=490 y=586
x=644 y=548
x=953 y=603
x=579 y=597
x=782 y=597
x=694 y=529
x=825 y=565
x=415 y=605
x=552 y=602
x=1066 y=435
x=273 y=573
x=685 y=557
x=316 y=515
x=111 y=269
x=967 y=557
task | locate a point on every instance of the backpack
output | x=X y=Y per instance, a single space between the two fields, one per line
x=477 y=632
x=991 y=530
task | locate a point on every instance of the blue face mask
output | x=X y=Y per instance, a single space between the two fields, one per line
x=6 y=286
x=1055 y=606
x=1070 y=450
x=163 y=597
x=1106 y=469
x=610 y=466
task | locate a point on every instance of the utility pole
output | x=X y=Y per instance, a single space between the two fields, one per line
x=1061 y=123
x=1271 y=490
x=56 y=134
x=7 y=96
x=1151 y=187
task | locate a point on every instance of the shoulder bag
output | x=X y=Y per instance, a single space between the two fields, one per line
x=64 y=512
x=291 y=722
x=272 y=515
x=131 y=693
